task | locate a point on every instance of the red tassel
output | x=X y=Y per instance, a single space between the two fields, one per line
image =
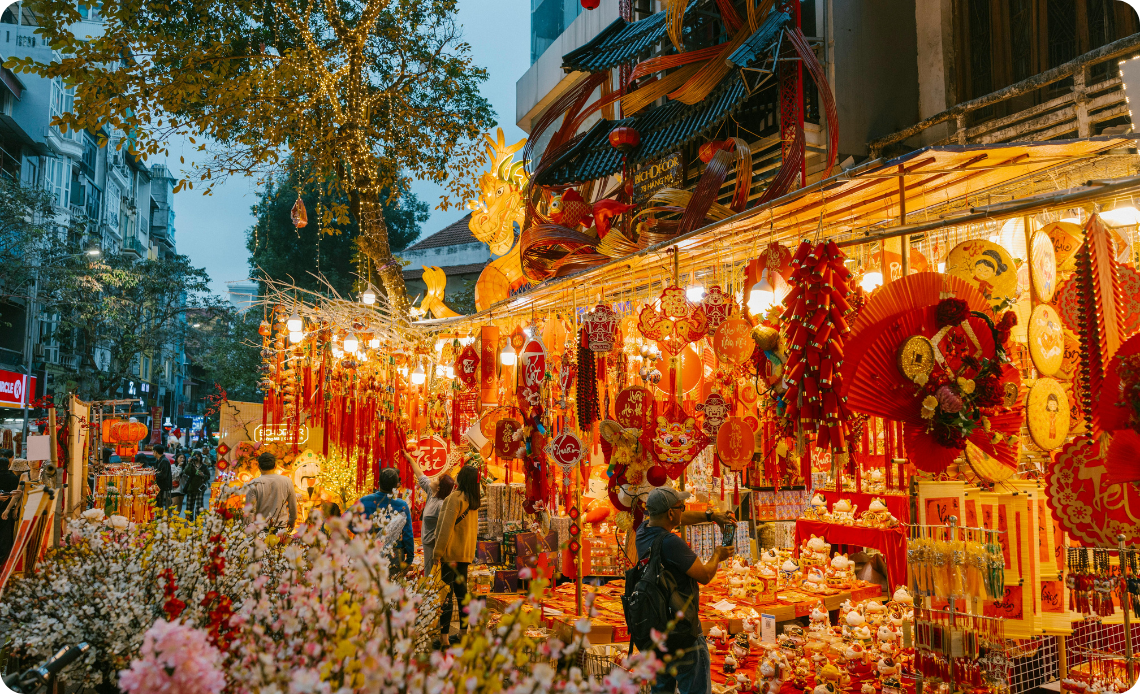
x=736 y=490
x=722 y=489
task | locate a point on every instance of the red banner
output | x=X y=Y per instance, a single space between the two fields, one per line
x=16 y=389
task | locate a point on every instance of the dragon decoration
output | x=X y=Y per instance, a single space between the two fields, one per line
x=566 y=228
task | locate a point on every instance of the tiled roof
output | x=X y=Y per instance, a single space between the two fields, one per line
x=416 y=271
x=618 y=43
x=665 y=128
x=454 y=234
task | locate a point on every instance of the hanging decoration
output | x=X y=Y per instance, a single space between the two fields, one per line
x=299 y=215
x=1086 y=505
x=601 y=329
x=733 y=343
x=815 y=316
x=1046 y=339
x=717 y=306
x=677 y=440
x=467 y=367
x=988 y=267
x=715 y=410
x=735 y=443
x=676 y=323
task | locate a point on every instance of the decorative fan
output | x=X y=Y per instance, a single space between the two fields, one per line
x=1067 y=300
x=1115 y=414
x=1122 y=463
x=919 y=290
x=1086 y=504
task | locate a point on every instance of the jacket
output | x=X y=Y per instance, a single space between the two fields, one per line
x=273 y=497
x=379 y=500
x=455 y=541
x=163 y=477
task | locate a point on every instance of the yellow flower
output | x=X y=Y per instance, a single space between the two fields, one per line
x=272 y=540
x=929 y=404
x=967 y=385
x=921 y=379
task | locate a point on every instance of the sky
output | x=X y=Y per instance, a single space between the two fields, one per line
x=211 y=229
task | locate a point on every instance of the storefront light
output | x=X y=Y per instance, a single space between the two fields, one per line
x=368 y=297
x=374 y=343
x=440 y=370
x=294 y=323
x=695 y=294
x=295 y=336
x=871 y=281
x=507 y=356
x=351 y=344
x=418 y=376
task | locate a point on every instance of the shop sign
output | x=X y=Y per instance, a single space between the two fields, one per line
x=280 y=433
x=16 y=389
x=650 y=177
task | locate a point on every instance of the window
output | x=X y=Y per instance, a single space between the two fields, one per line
x=57 y=180
x=31 y=172
x=90 y=154
x=78 y=191
x=94 y=202
x=114 y=199
x=62 y=101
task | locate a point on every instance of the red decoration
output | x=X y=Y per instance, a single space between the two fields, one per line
x=733 y=343
x=624 y=139
x=532 y=363
x=634 y=408
x=601 y=328
x=467 y=367
x=656 y=476
x=677 y=323
x=718 y=306
x=677 y=440
x=566 y=450
x=815 y=313
x=1085 y=504
x=715 y=409
x=591 y=4
x=735 y=443
x=432 y=454
x=506 y=447
x=709 y=149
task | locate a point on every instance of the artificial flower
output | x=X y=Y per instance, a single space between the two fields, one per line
x=948 y=400
x=929 y=405
x=174 y=658
x=951 y=312
x=966 y=385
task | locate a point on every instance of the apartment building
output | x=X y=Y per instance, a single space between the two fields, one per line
x=128 y=207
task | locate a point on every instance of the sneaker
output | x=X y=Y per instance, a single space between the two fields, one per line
x=435 y=645
x=454 y=639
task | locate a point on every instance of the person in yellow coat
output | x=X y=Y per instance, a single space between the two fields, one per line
x=455 y=536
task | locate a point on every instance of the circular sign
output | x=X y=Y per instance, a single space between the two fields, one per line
x=987 y=266
x=1046 y=339
x=566 y=450
x=916 y=358
x=691 y=370
x=1066 y=238
x=735 y=443
x=747 y=393
x=432 y=455
x=1043 y=266
x=533 y=363
x=1047 y=413
x=733 y=342
x=1071 y=362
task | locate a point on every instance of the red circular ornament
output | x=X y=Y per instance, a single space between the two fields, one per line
x=574 y=529
x=624 y=139
x=656 y=475
x=573 y=513
x=434 y=450
x=574 y=547
x=735 y=443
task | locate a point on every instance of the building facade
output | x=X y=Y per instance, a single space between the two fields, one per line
x=91 y=177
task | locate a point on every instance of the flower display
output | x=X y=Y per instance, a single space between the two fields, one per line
x=174 y=657
x=220 y=604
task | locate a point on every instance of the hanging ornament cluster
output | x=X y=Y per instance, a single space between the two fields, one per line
x=815 y=314
x=601 y=329
x=587 y=396
x=677 y=323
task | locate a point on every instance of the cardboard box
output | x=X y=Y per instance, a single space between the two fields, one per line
x=506 y=581
x=488 y=553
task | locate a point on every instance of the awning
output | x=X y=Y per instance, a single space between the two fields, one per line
x=13 y=83
x=939 y=187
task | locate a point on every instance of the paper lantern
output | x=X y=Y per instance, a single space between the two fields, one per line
x=735 y=443
x=624 y=139
x=656 y=476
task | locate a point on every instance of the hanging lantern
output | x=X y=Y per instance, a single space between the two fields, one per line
x=591 y=4
x=368 y=297
x=294 y=323
x=601 y=328
x=299 y=214
x=624 y=139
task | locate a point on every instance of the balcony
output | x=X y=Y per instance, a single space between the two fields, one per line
x=68 y=144
x=1076 y=113
x=134 y=246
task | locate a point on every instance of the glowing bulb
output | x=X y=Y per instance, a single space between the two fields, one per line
x=403 y=371
x=766 y=293
x=871 y=281
x=374 y=343
x=440 y=370
x=368 y=297
x=418 y=376
x=1124 y=216
x=942 y=267
x=351 y=344
x=294 y=323
x=295 y=336
x=529 y=332
x=507 y=356
x=695 y=294
x=450 y=372
x=337 y=352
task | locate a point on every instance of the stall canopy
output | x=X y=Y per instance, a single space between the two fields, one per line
x=926 y=189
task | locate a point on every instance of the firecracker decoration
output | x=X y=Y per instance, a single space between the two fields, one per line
x=1099 y=313
x=718 y=306
x=815 y=323
x=677 y=323
x=575 y=546
x=601 y=329
x=587 y=398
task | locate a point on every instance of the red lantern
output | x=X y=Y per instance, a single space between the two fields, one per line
x=624 y=139
x=709 y=149
x=591 y=4
x=656 y=476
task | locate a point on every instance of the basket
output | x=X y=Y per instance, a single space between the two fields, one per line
x=598 y=661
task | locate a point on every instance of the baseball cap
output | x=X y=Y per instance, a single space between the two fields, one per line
x=662 y=499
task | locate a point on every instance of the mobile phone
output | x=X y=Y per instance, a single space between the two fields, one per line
x=728 y=535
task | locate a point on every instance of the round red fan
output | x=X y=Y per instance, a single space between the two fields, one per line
x=919 y=290
x=1122 y=463
x=1115 y=415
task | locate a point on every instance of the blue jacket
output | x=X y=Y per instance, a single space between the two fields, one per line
x=379 y=500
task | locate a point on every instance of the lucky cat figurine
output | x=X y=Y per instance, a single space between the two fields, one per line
x=740 y=646
x=819 y=618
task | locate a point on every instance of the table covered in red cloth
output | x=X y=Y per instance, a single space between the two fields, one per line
x=898 y=505
x=890 y=541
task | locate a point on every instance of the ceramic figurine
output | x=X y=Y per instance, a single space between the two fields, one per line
x=843 y=512
x=819 y=618
x=717 y=635
x=878 y=515
x=814 y=582
x=729 y=663
x=740 y=646
x=841 y=572
x=875 y=612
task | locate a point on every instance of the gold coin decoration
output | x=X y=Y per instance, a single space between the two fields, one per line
x=987 y=266
x=1047 y=414
x=986 y=466
x=1043 y=266
x=1046 y=340
x=916 y=358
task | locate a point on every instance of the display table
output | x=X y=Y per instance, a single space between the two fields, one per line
x=897 y=504
x=890 y=541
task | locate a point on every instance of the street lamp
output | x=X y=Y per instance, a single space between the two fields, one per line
x=94 y=252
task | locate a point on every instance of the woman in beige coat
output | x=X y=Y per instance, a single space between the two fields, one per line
x=455 y=536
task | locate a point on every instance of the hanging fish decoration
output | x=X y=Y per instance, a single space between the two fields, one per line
x=299 y=214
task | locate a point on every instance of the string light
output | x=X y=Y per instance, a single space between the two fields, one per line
x=418 y=376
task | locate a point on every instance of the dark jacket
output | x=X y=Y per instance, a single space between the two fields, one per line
x=162 y=478
x=195 y=477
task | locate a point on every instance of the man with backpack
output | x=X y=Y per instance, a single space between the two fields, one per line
x=666 y=581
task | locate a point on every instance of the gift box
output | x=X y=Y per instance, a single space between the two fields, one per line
x=506 y=581
x=488 y=553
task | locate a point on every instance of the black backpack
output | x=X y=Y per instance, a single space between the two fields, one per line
x=651 y=601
